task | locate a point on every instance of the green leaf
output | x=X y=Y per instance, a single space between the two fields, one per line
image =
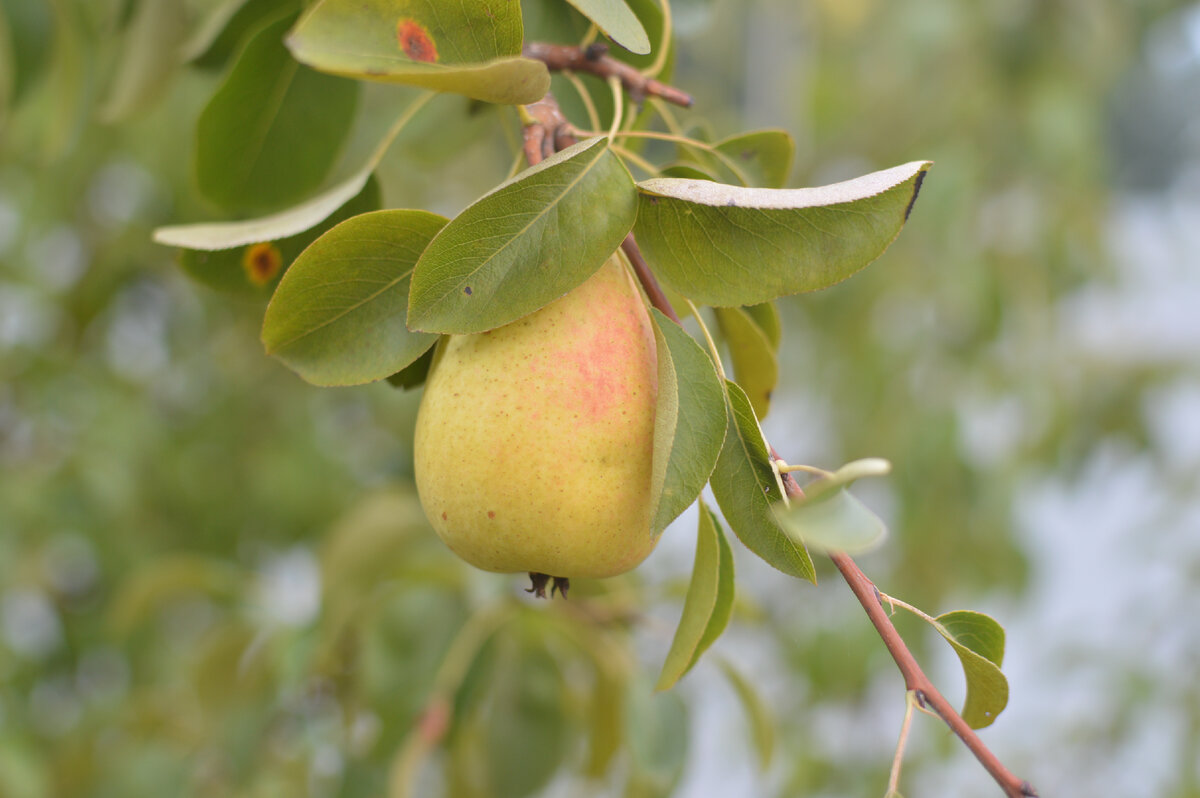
x=754 y=364
x=726 y=245
x=526 y=734
x=762 y=725
x=766 y=316
x=414 y=374
x=746 y=485
x=686 y=171
x=294 y=220
x=979 y=642
x=839 y=522
x=689 y=422
x=168 y=579
x=216 y=36
x=149 y=56
x=273 y=129
x=617 y=21
x=759 y=158
x=657 y=729
x=470 y=48
x=233 y=270
x=829 y=517
x=606 y=717
x=338 y=315
x=8 y=70
x=709 y=601
x=526 y=243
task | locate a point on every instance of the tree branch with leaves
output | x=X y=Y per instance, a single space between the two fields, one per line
x=361 y=293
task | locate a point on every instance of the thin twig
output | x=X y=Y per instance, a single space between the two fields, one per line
x=594 y=59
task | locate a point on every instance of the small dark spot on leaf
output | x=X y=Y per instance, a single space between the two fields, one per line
x=467 y=290
x=443 y=516
x=491 y=513
x=732 y=203
x=654 y=200
x=748 y=154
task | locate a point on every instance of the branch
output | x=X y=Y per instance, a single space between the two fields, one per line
x=547 y=127
x=595 y=60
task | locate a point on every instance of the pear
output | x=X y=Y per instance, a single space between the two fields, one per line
x=534 y=441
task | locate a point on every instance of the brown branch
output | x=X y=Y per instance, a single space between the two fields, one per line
x=595 y=60
x=550 y=128
x=646 y=277
x=915 y=679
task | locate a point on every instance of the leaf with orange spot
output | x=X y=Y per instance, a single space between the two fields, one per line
x=471 y=47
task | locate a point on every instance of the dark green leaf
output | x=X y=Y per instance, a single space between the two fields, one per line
x=526 y=243
x=708 y=604
x=686 y=171
x=233 y=269
x=338 y=315
x=762 y=725
x=273 y=129
x=746 y=486
x=617 y=21
x=413 y=375
x=470 y=48
x=726 y=245
x=754 y=365
x=979 y=642
x=689 y=422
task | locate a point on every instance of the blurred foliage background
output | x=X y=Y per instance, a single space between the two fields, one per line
x=214 y=579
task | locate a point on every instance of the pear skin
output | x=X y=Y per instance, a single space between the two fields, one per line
x=534 y=441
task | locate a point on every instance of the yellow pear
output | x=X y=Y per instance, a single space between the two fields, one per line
x=534 y=441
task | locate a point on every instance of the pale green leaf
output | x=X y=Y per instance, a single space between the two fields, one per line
x=526 y=243
x=526 y=734
x=758 y=158
x=215 y=37
x=746 y=486
x=273 y=129
x=689 y=422
x=470 y=48
x=617 y=21
x=758 y=714
x=727 y=245
x=835 y=522
x=338 y=315
x=148 y=58
x=979 y=642
x=606 y=718
x=830 y=518
x=708 y=604
x=754 y=364
x=657 y=729
x=168 y=579
x=232 y=270
x=289 y=222
x=766 y=316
